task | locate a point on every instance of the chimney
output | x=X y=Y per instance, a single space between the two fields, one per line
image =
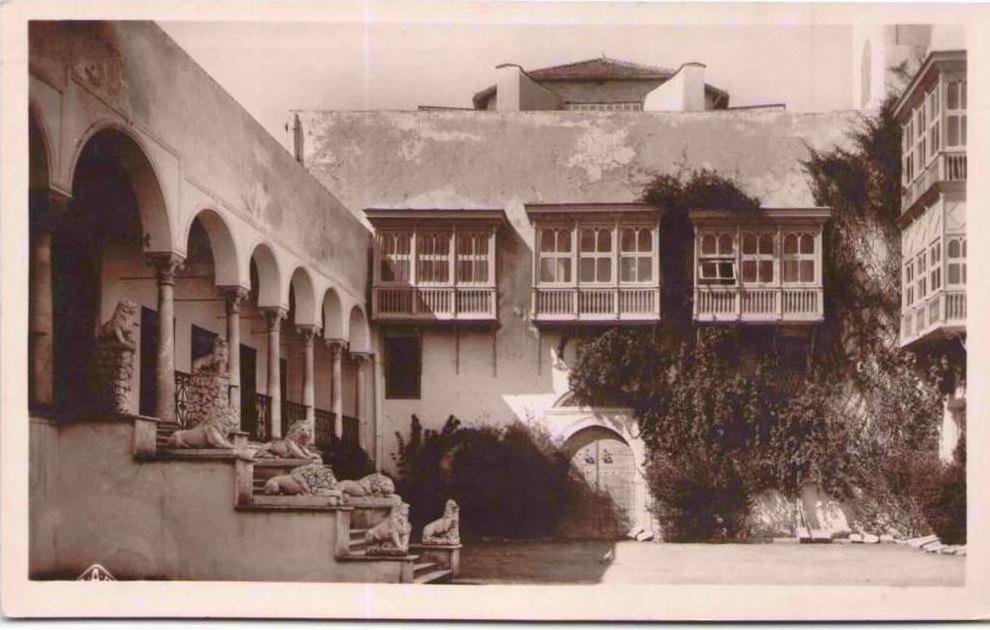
x=693 y=84
x=507 y=77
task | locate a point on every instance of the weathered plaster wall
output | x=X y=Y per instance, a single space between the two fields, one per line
x=487 y=159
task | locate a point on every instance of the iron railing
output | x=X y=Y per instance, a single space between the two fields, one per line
x=183 y=381
x=292 y=412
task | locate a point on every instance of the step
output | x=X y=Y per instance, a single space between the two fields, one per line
x=440 y=575
x=358 y=534
x=423 y=567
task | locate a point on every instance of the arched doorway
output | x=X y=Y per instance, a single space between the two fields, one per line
x=606 y=462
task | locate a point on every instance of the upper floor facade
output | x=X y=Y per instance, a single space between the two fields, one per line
x=596 y=263
x=932 y=113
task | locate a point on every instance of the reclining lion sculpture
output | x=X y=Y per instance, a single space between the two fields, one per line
x=373 y=485
x=292 y=446
x=309 y=479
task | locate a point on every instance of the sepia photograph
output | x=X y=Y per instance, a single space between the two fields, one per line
x=583 y=294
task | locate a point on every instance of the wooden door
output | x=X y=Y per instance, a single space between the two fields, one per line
x=606 y=463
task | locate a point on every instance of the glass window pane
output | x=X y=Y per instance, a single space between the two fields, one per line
x=604 y=270
x=547 y=241
x=962 y=90
x=481 y=271
x=953 y=273
x=789 y=270
x=547 y=266
x=807 y=271
x=387 y=274
x=725 y=270
x=766 y=271
x=628 y=269
x=708 y=244
x=604 y=241
x=807 y=244
x=790 y=244
x=709 y=270
x=645 y=269
x=564 y=241
x=481 y=244
x=628 y=240
x=766 y=244
x=963 y=134
x=587 y=241
x=952 y=131
x=564 y=269
x=748 y=269
x=749 y=244
x=587 y=267
x=725 y=244
x=645 y=241
x=963 y=248
x=953 y=95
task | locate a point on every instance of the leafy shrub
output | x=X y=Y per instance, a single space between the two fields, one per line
x=946 y=507
x=510 y=482
x=698 y=497
x=349 y=461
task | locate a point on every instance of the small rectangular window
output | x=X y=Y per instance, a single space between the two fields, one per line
x=403 y=366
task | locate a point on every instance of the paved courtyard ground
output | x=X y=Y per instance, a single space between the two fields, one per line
x=668 y=563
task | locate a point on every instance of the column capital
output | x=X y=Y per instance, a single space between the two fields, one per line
x=166 y=265
x=308 y=331
x=336 y=345
x=362 y=358
x=274 y=316
x=234 y=295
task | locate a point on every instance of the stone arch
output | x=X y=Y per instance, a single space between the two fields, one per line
x=156 y=217
x=301 y=284
x=333 y=315
x=358 y=335
x=39 y=152
x=269 y=289
x=226 y=262
x=585 y=432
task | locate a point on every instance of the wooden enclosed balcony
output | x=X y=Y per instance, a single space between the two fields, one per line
x=943 y=312
x=424 y=304
x=947 y=167
x=595 y=304
x=770 y=305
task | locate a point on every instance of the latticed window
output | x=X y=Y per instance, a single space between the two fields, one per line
x=935 y=265
x=798 y=259
x=921 y=284
x=596 y=255
x=909 y=283
x=472 y=257
x=955 y=114
x=636 y=254
x=955 y=251
x=555 y=255
x=396 y=256
x=433 y=257
x=717 y=260
x=758 y=251
x=920 y=124
x=907 y=150
x=934 y=124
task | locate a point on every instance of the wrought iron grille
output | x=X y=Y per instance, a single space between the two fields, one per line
x=183 y=381
x=262 y=413
x=324 y=428
x=291 y=412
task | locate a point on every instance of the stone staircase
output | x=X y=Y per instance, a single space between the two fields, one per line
x=343 y=526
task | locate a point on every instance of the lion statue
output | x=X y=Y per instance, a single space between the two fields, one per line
x=446 y=530
x=113 y=361
x=215 y=362
x=205 y=435
x=309 y=479
x=120 y=326
x=374 y=485
x=391 y=536
x=292 y=446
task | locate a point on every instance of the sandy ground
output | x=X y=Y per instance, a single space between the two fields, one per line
x=668 y=563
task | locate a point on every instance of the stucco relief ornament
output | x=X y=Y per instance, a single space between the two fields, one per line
x=113 y=362
x=391 y=536
x=210 y=417
x=446 y=530
x=292 y=446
